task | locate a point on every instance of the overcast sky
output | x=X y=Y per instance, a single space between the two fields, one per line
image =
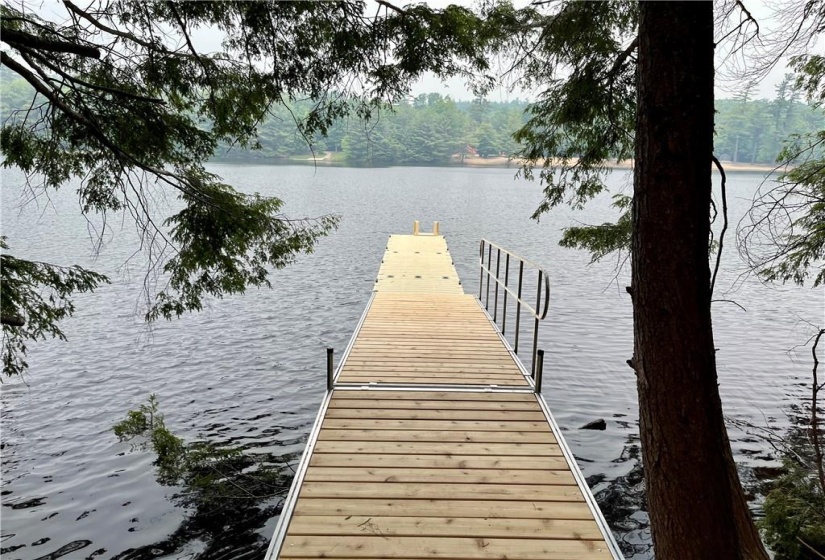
x=727 y=84
x=764 y=11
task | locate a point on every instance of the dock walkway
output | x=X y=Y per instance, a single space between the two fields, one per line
x=432 y=443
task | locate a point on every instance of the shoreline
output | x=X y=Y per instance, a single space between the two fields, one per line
x=498 y=162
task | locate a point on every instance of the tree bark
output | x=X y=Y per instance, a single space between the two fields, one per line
x=697 y=507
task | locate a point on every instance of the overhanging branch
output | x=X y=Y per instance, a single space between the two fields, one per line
x=721 y=169
x=103 y=27
x=17 y=38
x=392 y=7
x=170 y=178
x=78 y=81
x=620 y=60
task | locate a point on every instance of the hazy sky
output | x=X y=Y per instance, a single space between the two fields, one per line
x=727 y=86
x=763 y=10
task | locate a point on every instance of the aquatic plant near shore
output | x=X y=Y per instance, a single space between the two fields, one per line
x=229 y=491
x=794 y=523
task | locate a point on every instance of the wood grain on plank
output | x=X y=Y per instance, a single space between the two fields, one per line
x=439 y=448
x=443 y=461
x=452 y=476
x=503 y=509
x=432 y=491
x=329 y=434
x=486 y=396
x=436 y=404
x=377 y=546
x=436 y=425
x=434 y=414
x=445 y=527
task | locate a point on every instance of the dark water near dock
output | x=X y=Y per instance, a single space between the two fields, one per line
x=249 y=370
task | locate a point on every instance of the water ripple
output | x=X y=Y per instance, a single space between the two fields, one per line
x=249 y=370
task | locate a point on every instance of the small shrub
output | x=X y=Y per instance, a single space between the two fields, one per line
x=794 y=522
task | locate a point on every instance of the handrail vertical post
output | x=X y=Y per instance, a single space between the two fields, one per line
x=495 y=299
x=536 y=325
x=518 y=302
x=504 y=305
x=480 y=269
x=330 y=381
x=539 y=372
x=489 y=259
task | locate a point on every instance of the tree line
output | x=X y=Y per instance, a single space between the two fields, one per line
x=429 y=129
x=432 y=129
x=435 y=130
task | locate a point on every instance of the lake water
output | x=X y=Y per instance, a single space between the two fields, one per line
x=249 y=370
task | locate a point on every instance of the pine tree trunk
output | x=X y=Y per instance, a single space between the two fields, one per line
x=697 y=507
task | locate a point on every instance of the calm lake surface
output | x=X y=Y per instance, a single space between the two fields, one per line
x=249 y=370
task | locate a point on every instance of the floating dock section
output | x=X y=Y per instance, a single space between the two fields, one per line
x=431 y=441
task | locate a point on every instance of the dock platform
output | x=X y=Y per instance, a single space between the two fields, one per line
x=431 y=442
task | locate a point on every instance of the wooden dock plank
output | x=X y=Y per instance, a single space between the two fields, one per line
x=478 y=527
x=435 y=404
x=504 y=509
x=376 y=546
x=433 y=490
x=350 y=434
x=426 y=414
x=440 y=396
x=378 y=460
x=431 y=367
x=438 y=448
x=446 y=357
x=436 y=425
x=452 y=476
x=433 y=381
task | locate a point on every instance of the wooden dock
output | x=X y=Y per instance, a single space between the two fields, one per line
x=432 y=443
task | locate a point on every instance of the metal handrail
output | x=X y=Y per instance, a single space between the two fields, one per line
x=539 y=312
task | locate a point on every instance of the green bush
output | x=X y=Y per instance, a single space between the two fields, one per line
x=794 y=522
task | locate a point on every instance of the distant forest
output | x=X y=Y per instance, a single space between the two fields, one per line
x=435 y=130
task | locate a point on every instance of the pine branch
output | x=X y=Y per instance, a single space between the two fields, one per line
x=103 y=27
x=620 y=60
x=170 y=178
x=721 y=169
x=114 y=91
x=16 y=38
x=818 y=458
x=392 y=7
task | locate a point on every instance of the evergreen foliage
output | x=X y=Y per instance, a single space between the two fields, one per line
x=606 y=238
x=784 y=236
x=757 y=130
x=35 y=296
x=581 y=121
x=121 y=100
x=794 y=522
x=224 y=488
x=435 y=130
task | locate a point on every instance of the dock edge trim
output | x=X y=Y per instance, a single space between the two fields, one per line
x=284 y=520
x=352 y=339
x=278 y=536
